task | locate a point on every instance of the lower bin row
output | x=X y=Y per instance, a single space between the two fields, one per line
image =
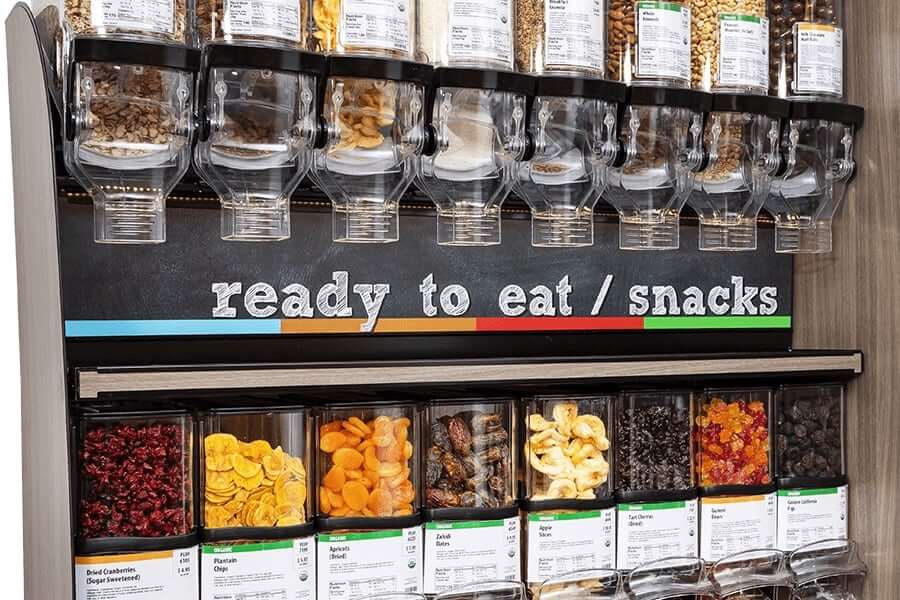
x=741 y=533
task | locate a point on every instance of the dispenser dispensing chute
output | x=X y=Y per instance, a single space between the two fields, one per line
x=661 y=150
x=258 y=109
x=574 y=131
x=127 y=132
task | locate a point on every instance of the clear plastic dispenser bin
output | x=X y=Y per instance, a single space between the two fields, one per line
x=127 y=133
x=573 y=126
x=374 y=113
x=374 y=28
x=743 y=137
x=828 y=570
x=567 y=448
x=819 y=166
x=590 y=584
x=561 y=37
x=752 y=575
x=477 y=136
x=135 y=481
x=259 y=122
x=649 y=43
x=255 y=474
x=486 y=590
x=810 y=438
x=669 y=578
x=661 y=149
x=477 y=35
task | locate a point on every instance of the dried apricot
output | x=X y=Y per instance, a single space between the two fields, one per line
x=353 y=429
x=335 y=478
x=407 y=450
x=389 y=469
x=353 y=474
x=392 y=453
x=334 y=426
x=336 y=499
x=372 y=462
x=405 y=493
x=332 y=441
x=404 y=510
x=324 y=501
x=360 y=424
x=348 y=458
x=381 y=502
x=352 y=441
x=355 y=495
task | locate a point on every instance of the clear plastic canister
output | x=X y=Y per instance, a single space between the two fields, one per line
x=734 y=430
x=561 y=37
x=661 y=137
x=261 y=129
x=573 y=126
x=462 y=33
x=478 y=121
x=743 y=137
x=375 y=115
x=128 y=139
x=486 y=590
x=255 y=471
x=674 y=577
x=649 y=42
x=653 y=441
x=377 y=28
x=811 y=433
x=827 y=569
x=278 y=22
x=368 y=461
x=730 y=46
x=590 y=584
x=751 y=575
x=806 y=57
x=135 y=479
x=817 y=148
x=567 y=448
x=469 y=457
x=159 y=20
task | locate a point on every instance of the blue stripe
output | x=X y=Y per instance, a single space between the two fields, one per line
x=173 y=327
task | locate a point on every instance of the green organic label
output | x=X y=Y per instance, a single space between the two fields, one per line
x=737 y=17
x=588 y=514
x=355 y=537
x=660 y=6
x=813 y=492
x=652 y=506
x=258 y=547
x=463 y=524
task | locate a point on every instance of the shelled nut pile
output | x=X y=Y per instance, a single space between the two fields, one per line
x=621 y=39
x=366 y=111
x=705 y=35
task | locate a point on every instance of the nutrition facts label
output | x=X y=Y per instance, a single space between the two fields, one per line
x=807 y=516
x=729 y=525
x=664 y=40
x=272 y=18
x=743 y=51
x=154 y=16
x=655 y=530
x=463 y=552
x=820 y=59
x=567 y=542
x=575 y=33
x=278 y=570
x=381 y=24
x=146 y=576
x=481 y=29
x=352 y=565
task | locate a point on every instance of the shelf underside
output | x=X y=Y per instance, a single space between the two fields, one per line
x=96 y=383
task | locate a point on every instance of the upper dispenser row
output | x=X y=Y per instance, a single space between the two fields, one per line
x=788 y=48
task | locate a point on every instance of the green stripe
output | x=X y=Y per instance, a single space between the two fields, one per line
x=717 y=323
x=353 y=537
x=464 y=524
x=737 y=17
x=813 y=492
x=588 y=514
x=259 y=547
x=661 y=6
x=652 y=506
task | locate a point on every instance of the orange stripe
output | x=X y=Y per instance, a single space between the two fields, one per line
x=299 y=326
x=106 y=560
x=733 y=499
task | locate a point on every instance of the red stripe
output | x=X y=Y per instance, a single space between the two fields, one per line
x=558 y=323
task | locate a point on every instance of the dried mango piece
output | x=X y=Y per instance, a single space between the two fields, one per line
x=330 y=442
x=381 y=502
x=335 y=479
x=348 y=459
x=355 y=495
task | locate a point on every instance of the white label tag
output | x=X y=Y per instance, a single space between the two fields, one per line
x=743 y=51
x=664 y=40
x=807 y=516
x=575 y=33
x=381 y=24
x=655 y=530
x=354 y=565
x=153 y=16
x=481 y=29
x=147 y=576
x=462 y=552
x=820 y=59
x=271 y=18
x=568 y=542
x=730 y=525
x=282 y=569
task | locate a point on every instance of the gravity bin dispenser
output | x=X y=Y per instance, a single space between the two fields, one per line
x=258 y=110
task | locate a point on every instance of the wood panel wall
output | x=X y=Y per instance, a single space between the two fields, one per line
x=851 y=298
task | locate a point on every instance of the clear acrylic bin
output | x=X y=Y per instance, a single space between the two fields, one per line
x=669 y=578
x=591 y=584
x=466 y=34
x=827 y=570
x=376 y=28
x=811 y=434
x=757 y=574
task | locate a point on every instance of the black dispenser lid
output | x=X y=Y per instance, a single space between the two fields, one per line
x=580 y=87
x=379 y=68
x=849 y=114
x=674 y=97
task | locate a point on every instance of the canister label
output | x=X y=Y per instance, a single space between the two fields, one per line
x=655 y=530
x=278 y=569
x=820 y=59
x=743 y=51
x=383 y=24
x=152 y=16
x=575 y=33
x=807 y=516
x=567 y=542
x=732 y=524
x=664 y=40
x=164 y=575
x=481 y=29
x=271 y=18
x=353 y=565
x=462 y=552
